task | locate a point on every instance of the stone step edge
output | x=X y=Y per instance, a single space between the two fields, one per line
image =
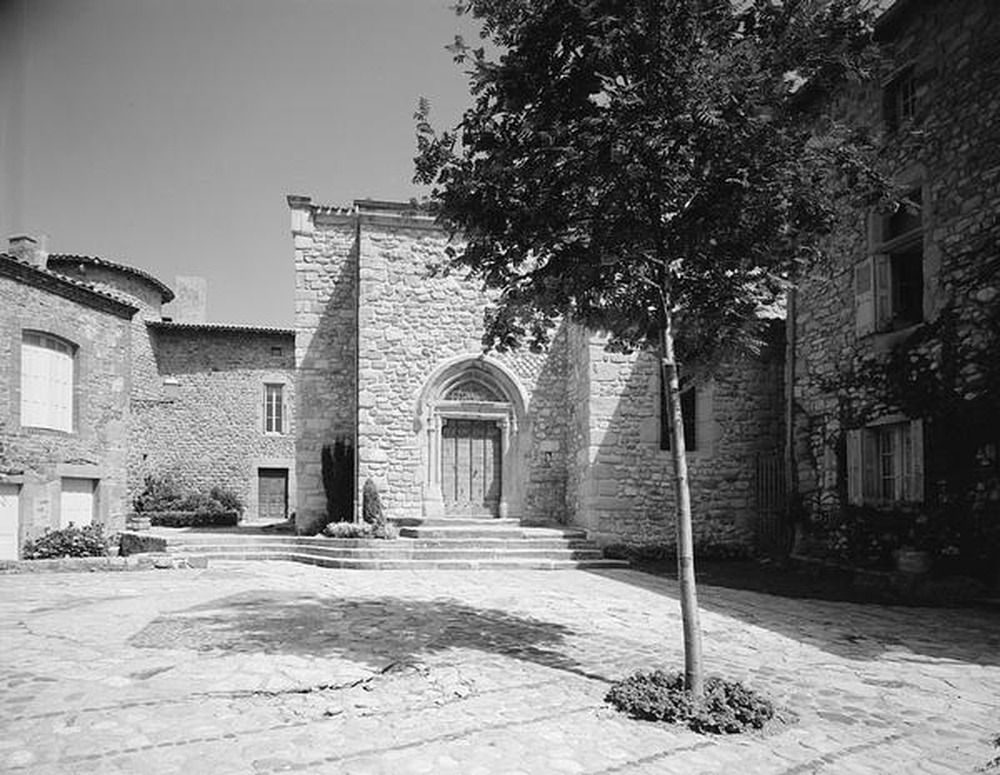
x=390 y=552
x=415 y=564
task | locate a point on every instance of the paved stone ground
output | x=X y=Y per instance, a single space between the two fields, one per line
x=276 y=667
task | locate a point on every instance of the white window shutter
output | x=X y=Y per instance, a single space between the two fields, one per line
x=864 y=298
x=61 y=386
x=855 y=494
x=915 y=482
x=34 y=386
x=883 y=290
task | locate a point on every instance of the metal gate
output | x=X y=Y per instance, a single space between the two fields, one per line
x=773 y=532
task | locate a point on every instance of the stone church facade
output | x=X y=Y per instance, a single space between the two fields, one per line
x=389 y=357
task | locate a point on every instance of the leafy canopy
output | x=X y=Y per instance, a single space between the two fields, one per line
x=623 y=158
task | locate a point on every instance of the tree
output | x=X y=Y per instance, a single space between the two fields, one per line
x=656 y=169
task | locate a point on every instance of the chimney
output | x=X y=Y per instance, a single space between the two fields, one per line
x=26 y=248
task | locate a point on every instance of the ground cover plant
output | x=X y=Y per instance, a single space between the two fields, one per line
x=726 y=707
x=384 y=530
x=70 y=541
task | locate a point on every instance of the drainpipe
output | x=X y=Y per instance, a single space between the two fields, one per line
x=357 y=367
x=789 y=456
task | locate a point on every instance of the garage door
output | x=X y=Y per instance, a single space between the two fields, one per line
x=76 y=503
x=8 y=521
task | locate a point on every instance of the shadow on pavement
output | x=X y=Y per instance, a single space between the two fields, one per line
x=378 y=632
x=846 y=629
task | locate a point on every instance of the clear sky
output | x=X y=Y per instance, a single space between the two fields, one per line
x=165 y=134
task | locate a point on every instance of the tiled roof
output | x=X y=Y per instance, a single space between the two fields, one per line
x=63 y=285
x=166 y=294
x=167 y=325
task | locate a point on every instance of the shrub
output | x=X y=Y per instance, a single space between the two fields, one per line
x=71 y=541
x=386 y=530
x=194 y=518
x=228 y=499
x=371 y=504
x=199 y=502
x=159 y=493
x=337 y=466
x=727 y=706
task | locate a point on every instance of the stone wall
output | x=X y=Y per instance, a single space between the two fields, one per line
x=205 y=427
x=949 y=147
x=411 y=322
x=38 y=459
x=326 y=268
x=625 y=481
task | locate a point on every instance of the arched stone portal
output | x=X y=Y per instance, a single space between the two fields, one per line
x=469 y=419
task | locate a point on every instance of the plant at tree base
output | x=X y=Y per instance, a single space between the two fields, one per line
x=650 y=169
x=725 y=707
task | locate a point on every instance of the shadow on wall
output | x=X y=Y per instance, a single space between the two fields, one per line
x=549 y=455
x=325 y=390
x=627 y=487
x=372 y=631
x=849 y=630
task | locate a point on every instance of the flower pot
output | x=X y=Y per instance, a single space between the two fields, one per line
x=913 y=561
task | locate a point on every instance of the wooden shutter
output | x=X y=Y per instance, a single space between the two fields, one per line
x=864 y=298
x=883 y=290
x=61 y=390
x=915 y=479
x=34 y=386
x=871 y=489
x=855 y=491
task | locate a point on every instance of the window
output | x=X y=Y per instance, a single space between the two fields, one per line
x=47 y=372
x=900 y=99
x=688 y=409
x=889 y=284
x=885 y=463
x=274 y=409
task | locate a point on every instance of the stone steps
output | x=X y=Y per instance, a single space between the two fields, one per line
x=433 y=544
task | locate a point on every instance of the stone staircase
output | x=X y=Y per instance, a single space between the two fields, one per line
x=440 y=544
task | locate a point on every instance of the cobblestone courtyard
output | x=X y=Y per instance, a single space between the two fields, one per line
x=261 y=668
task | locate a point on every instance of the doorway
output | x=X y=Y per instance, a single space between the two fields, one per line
x=471 y=466
x=272 y=494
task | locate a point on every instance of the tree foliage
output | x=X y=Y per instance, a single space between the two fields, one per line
x=624 y=156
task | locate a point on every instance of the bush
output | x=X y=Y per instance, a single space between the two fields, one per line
x=228 y=499
x=159 y=493
x=72 y=541
x=194 y=518
x=727 y=706
x=386 y=530
x=371 y=504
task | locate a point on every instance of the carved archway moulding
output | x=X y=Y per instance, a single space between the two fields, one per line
x=469 y=387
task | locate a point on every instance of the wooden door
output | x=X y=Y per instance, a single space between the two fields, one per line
x=470 y=467
x=8 y=521
x=272 y=493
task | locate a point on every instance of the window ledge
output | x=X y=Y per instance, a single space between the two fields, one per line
x=885 y=341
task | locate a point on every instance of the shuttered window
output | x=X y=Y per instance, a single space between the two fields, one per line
x=47 y=373
x=885 y=464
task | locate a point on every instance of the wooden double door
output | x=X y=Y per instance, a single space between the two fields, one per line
x=471 y=467
x=272 y=493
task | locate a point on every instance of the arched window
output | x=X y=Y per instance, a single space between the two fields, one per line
x=47 y=375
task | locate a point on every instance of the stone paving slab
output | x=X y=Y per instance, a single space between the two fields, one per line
x=280 y=667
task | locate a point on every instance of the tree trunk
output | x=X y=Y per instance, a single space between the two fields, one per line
x=694 y=670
